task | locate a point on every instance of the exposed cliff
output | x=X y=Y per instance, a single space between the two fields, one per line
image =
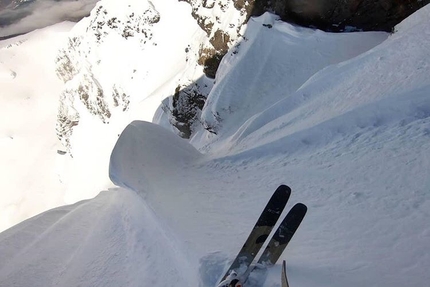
x=96 y=77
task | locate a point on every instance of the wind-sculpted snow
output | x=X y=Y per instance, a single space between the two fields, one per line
x=111 y=240
x=249 y=81
x=145 y=151
x=395 y=115
x=402 y=59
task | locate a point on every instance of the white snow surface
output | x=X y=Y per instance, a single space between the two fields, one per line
x=351 y=138
x=30 y=180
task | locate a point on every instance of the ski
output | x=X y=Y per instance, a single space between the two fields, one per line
x=284 y=281
x=260 y=232
x=283 y=235
x=279 y=240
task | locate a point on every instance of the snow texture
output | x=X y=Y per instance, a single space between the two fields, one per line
x=344 y=121
x=30 y=180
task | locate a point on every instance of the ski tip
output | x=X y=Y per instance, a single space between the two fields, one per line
x=283 y=191
x=300 y=207
x=284 y=188
x=281 y=194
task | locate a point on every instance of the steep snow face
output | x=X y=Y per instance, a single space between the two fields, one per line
x=352 y=141
x=399 y=68
x=250 y=81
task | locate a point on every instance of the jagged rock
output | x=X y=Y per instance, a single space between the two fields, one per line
x=344 y=15
x=222 y=22
x=327 y=15
x=80 y=64
x=183 y=109
x=67 y=118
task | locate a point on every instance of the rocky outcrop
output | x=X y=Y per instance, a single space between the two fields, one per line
x=83 y=64
x=327 y=15
x=223 y=22
x=183 y=109
x=346 y=15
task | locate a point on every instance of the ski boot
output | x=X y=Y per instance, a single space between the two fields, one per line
x=232 y=280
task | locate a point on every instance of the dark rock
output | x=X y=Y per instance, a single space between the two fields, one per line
x=184 y=108
x=342 y=15
x=327 y=15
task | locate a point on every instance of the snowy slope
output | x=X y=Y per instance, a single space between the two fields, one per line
x=351 y=139
x=29 y=178
x=118 y=65
x=395 y=69
x=254 y=80
x=112 y=240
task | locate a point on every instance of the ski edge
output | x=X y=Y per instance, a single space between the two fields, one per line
x=299 y=209
x=280 y=189
x=284 y=280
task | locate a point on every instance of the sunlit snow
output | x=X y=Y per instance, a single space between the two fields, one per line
x=343 y=119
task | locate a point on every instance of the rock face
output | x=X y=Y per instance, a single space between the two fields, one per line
x=131 y=26
x=81 y=63
x=223 y=22
x=344 y=15
x=183 y=109
x=327 y=15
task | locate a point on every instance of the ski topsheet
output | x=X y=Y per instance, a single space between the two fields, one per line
x=261 y=230
x=283 y=235
x=241 y=267
x=279 y=240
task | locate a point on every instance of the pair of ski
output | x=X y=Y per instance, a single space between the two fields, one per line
x=241 y=267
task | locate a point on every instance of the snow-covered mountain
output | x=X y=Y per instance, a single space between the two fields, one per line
x=344 y=119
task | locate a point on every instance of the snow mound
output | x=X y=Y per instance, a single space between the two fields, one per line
x=111 y=240
x=145 y=151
